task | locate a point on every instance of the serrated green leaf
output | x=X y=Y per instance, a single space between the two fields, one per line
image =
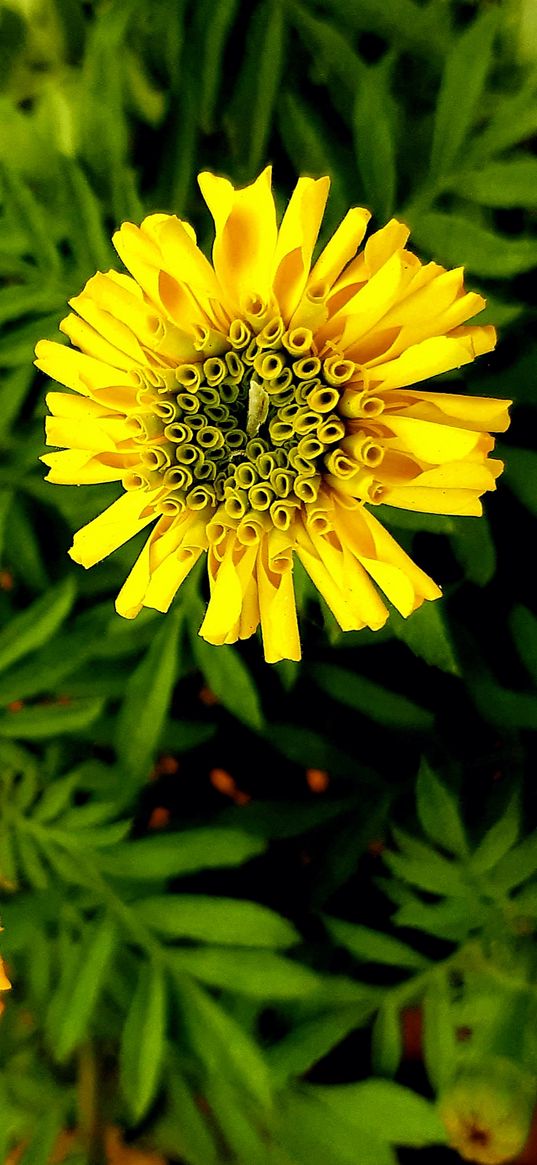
x=372 y=946
x=374 y=139
x=438 y=812
x=90 y=973
x=216 y=920
x=452 y=919
x=498 y=839
x=372 y=700
x=427 y=634
x=456 y=241
x=142 y=1047
x=461 y=89
x=34 y=626
x=147 y=701
x=257 y=974
x=171 y=855
x=229 y=678
x=386 y=1110
x=427 y=870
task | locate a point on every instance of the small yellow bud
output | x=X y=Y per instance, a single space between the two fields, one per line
x=487 y=1111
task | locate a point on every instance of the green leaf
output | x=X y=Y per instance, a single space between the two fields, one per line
x=421 y=865
x=37 y=624
x=439 y=1046
x=374 y=139
x=221 y=1044
x=90 y=974
x=372 y=700
x=261 y=78
x=32 y=217
x=311 y=1040
x=312 y=1132
x=216 y=920
x=46 y=720
x=230 y=680
x=523 y=625
x=513 y=120
x=438 y=812
x=309 y=749
x=386 y=1110
x=46 y=1128
x=143 y=1042
x=182 y=1129
x=474 y=548
x=498 y=839
x=460 y=93
x=521 y=476
x=329 y=47
x=456 y=241
x=427 y=634
x=387 y=1040
x=257 y=974
x=371 y=946
x=517 y=865
x=452 y=919
x=218 y=19
x=509 y=183
x=147 y=699
x=171 y=855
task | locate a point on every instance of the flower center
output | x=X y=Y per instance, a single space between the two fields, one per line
x=253 y=429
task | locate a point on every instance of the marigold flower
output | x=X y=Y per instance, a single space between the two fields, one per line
x=487 y=1110
x=256 y=408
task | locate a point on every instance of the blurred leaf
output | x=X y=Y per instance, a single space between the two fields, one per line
x=147 y=699
x=329 y=47
x=216 y=920
x=171 y=855
x=387 y=1040
x=457 y=241
x=514 y=119
x=143 y=1042
x=182 y=1127
x=385 y=1109
x=439 y=1047
x=40 y=721
x=311 y=750
x=371 y=946
x=519 y=864
x=427 y=634
x=43 y=1137
x=371 y=699
x=312 y=1039
x=258 y=974
x=498 y=839
x=374 y=139
x=32 y=217
x=230 y=680
x=423 y=29
x=34 y=626
x=89 y=977
x=473 y=546
x=221 y=1044
x=509 y=183
x=216 y=25
x=521 y=476
x=312 y=1132
x=460 y=94
x=421 y=865
x=523 y=624
x=259 y=82
x=307 y=141
x=85 y=208
x=438 y=812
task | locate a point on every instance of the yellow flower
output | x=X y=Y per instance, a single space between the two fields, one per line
x=256 y=408
x=487 y=1110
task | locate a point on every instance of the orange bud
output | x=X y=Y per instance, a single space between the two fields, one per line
x=317 y=780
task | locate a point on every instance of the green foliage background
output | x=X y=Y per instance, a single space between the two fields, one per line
x=230 y=987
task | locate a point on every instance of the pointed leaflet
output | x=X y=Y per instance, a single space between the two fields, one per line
x=460 y=93
x=374 y=143
x=384 y=1109
x=230 y=680
x=216 y=920
x=147 y=700
x=457 y=241
x=257 y=974
x=35 y=625
x=387 y=1040
x=185 y=852
x=498 y=840
x=89 y=975
x=523 y=624
x=427 y=634
x=438 y=813
x=372 y=946
x=143 y=1041
x=371 y=699
x=312 y=1039
x=42 y=721
x=439 y=1046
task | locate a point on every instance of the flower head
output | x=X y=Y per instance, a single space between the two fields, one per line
x=487 y=1110
x=261 y=406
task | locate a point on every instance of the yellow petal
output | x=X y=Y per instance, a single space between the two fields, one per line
x=296 y=240
x=341 y=247
x=277 y=606
x=114 y=330
x=124 y=518
x=101 y=435
x=79 y=467
x=371 y=303
x=429 y=358
x=430 y=442
x=224 y=608
x=94 y=344
x=78 y=371
x=433 y=501
x=245 y=222
x=480 y=413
